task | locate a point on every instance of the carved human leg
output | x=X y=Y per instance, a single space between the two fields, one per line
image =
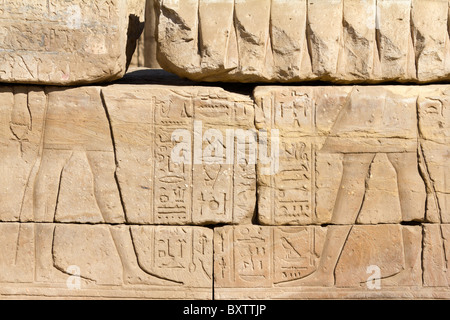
x=412 y=194
x=412 y=249
x=411 y=186
x=46 y=188
x=347 y=207
x=106 y=189
x=132 y=272
x=107 y=195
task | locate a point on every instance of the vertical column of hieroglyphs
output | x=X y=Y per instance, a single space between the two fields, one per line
x=93 y=174
x=356 y=204
x=204 y=191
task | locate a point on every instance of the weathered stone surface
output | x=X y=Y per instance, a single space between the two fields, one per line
x=435 y=253
x=126 y=153
x=22 y=113
x=297 y=40
x=434 y=128
x=208 y=187
x=67 y=42
x=100 y=187
x=257 y=262
x=104 y=261
x=354 y=154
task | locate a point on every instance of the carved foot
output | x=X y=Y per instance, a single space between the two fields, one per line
x=406 y=277
x=316 y=279
x=138 y=276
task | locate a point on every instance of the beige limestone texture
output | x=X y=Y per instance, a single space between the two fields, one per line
x=93 y=204
x=96 y=155
x=67 y=42
x=268 y=262
x=75 y=261
x=300 y=40
x=350 y=155
x=435 y=252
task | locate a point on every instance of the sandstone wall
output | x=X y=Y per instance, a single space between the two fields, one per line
x=302 y=40
x=155 y=187
x=357 y=179
x=67 y=43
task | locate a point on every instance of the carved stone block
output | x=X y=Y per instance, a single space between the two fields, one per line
x=126 y=153
x=67 y=42
x=435 y=253
x=104 y=261
x=346 y=155
x=301 y=40
x=354 y=262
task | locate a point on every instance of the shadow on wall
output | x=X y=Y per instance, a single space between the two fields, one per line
x=135 y=29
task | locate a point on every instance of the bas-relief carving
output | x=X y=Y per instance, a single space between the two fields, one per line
x=342 y=150
x=105 y=156
x=186 y=192
x=283 y=258
x=102 y=158
x=361 y=155
x=22 y=114
x=112 y=261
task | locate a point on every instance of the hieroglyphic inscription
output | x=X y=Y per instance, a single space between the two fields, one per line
x=292 y=112
x=94 y=155
x=156 y=262
x=254 y=256
x=277 y=262
x=332 y=142
x=208 y=183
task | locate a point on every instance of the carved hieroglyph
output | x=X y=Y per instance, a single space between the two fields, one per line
x=22 y=112
x=296 y=40
x=106 y=155
x=358 y=160
x=101 y=186
x=105 y=261
x=67 y=42
x=354 y=154
x=262 y=262
x=206 y=186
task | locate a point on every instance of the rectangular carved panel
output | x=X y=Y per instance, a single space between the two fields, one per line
x=104 y=261
x=151 y=126
x=127 y=153
x=262 y=262
x=346 y=155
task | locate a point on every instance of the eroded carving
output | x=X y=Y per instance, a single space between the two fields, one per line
x=150 y=123
x=173 y=262
x=87 y=41
x=248 y=258
x=300 y=40
x=338 y=147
